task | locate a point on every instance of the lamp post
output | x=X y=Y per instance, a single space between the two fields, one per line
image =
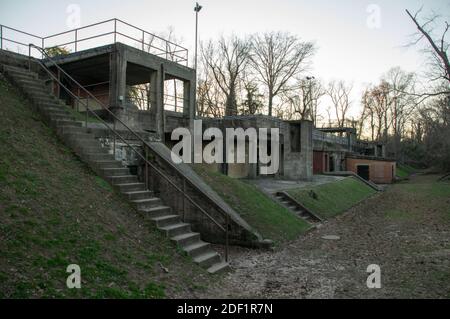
x=197 y=10
x=313 y=114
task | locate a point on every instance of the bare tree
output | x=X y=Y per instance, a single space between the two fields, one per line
x=227 y=59
x=339 y=93
x=438 y=47
x=303 y=98
x=401 y=104
x=252 y=102
x=277 y=57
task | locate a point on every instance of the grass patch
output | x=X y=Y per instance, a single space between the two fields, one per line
x=333 y=198
x=404 y=171
x=269 y=218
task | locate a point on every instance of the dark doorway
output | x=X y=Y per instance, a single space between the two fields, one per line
x=363 y=171
x=331 y=164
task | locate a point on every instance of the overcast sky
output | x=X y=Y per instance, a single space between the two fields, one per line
x=357 y=40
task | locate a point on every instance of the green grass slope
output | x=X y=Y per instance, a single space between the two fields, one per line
x=54 y=212
x=404 y=171
x=333 y=198
x=269 y=218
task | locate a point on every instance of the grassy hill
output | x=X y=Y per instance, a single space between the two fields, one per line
x=269 y=218
x=333 y=198
x=404 y=171
x=54 y=212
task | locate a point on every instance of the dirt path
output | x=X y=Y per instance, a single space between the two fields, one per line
x=405 y=230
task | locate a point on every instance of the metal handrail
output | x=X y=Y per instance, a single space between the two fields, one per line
x=115 y=32
x=176 y=52
x=113 y=130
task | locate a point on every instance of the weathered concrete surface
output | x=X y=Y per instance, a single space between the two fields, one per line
x=272 y=185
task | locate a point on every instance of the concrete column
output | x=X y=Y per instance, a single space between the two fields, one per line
x=117 y=78
x=189 y=99
x=306 y=150
x=159 y=101
x=153 y=90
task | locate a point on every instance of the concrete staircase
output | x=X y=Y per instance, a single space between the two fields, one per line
x=301 y=211
x=90 y=150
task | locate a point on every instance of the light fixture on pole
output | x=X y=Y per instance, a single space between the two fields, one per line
x=197 y=10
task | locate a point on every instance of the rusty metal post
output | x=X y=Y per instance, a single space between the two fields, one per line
x=29 y=57
x=114 y=140
x=146 y=166
x=87 y=108
x=76 y=39
x=78 y=101
x=115 y=30
x=184 y=200
x=226 y=238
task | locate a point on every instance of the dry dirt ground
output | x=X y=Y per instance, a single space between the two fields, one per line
x=405 y=230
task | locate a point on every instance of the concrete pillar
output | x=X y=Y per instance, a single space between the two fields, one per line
x=117 y=78
x=306 y=150
x=157 y=98
x=188 y=99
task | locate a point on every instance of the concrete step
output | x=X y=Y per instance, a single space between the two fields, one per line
x=89 y=149
x=20 y=71
x=66 y=123
x=157 y=211
x=141 y=194
x=197 y=248
x=219 y=267
x=53 y=112
x=32 y=85
x=90 y=141
x=44 y=100
x=147 y=202
x=76 y=137
x=106 y=164
x=129 y=187
x=60 y=116
x=109 y=157
x=176 y=229
x=54 y=106
x=22 y=77
x=166 y=220
x=208 y=259
x=68 y=129
x=125 y=179
x=187 y=239
x=40 y=93
x=111 y=171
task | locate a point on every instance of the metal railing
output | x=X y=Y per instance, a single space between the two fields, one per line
x=112 y=31
x=145 y=145
x=329 y=137
x=28 y=38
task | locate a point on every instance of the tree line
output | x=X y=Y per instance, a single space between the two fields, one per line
x=268 y=73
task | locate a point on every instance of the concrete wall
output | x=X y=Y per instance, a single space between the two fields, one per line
x=298 y=165
x=381 y=172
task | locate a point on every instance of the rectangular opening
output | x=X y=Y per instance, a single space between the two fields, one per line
x=363 y=171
